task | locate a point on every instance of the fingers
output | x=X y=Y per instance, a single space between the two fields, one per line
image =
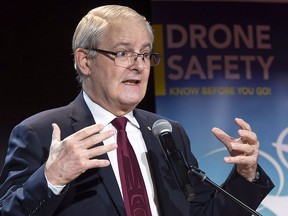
x=241 y=161
x=222 y=137
x=56 y=135
x=100 y=150
x=248 y=136
x=245 y=132
x=220 y=134
x=77 y=153
x=243 y=150
x=90 y=141
x=84 y=142
x=242 y=124
x=87 y=132
x=89 y=136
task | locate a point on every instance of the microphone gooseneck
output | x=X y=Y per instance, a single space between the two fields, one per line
x=162 y=129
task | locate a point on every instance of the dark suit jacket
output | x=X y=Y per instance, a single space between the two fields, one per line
x=24 y=189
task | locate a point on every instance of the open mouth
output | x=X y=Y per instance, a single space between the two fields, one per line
x=134 y=82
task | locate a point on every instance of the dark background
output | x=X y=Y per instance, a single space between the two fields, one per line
x=36 y=61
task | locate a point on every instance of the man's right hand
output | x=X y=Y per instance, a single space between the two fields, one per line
x=75 y=154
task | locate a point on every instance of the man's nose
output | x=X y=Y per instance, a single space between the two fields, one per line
x=139 y=62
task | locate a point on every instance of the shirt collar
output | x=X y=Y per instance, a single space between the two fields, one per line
x=103 y=116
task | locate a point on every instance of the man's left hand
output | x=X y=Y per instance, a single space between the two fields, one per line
x=243 y=150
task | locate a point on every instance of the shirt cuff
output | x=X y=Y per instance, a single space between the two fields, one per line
x=56 y=189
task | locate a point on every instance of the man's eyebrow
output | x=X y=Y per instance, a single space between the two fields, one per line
x=127 y=44
x=122 y=44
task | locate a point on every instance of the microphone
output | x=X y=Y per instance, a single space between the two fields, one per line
x=162 y=130
x=181 y=170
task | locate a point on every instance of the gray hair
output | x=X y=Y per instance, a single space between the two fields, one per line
x=91 y=29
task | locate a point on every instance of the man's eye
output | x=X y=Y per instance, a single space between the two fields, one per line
x=146 y=55
x=122 y=54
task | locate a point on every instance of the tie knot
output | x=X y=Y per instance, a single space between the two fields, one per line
x=119 y=123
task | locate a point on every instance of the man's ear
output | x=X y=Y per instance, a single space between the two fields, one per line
x=82 y=61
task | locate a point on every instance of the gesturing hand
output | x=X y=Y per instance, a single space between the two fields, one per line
x=74 y=155
x=243 y=150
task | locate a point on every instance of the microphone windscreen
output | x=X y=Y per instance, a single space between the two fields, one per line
x=161 y=126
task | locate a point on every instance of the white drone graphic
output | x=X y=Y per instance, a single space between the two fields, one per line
x=278 y=204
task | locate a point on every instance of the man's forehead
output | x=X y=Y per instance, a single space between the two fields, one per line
x=121 y=35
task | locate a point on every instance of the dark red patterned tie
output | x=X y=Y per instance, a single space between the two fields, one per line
x=133 y=187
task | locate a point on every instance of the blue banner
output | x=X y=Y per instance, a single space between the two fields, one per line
x=223 y=60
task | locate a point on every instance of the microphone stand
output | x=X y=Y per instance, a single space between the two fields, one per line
x=202 y=176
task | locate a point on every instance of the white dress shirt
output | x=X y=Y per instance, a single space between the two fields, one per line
x=135 y=137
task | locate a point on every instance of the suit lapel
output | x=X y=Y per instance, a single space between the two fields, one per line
x=170 y=199
x=155 y=157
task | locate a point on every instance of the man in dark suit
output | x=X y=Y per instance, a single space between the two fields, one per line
x=63 y=161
